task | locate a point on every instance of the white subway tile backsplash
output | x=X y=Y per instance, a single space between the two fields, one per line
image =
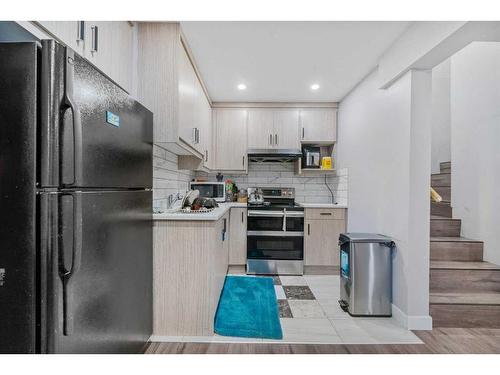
x=167 y=179
x=307 y=189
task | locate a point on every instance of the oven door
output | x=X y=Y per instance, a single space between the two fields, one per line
x=264 y=220
x=275 y=246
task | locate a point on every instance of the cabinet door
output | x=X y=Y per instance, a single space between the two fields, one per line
x=318 y=125
x=67 y=32
x=187 y=98
x=321 y=242
x=231 y=139
x=206 y=133
x=260 y=128
x=286 y=129
x=238 y=236
x=109 y=45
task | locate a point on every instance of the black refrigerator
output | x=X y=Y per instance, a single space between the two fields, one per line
x=75 y=206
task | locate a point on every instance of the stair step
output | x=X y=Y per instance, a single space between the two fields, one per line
x=454 y=276
x=445 y=227
x=442 y=209
x=441 y=179
x=445 y=167
x=444 y=192
x=459 y=265
x=465 y=298
x=456 y=248
x=465 y=310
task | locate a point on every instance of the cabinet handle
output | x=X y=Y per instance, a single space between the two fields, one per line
x=325 y=213
x=302 y=133
x=276 y=139
x=95 y=39
x=243 y=161
x=80 y=31
x=242 y=219
x=206 y=156
x=308 y=229
x=194 y=135
x=197 y=135
x=270 y=139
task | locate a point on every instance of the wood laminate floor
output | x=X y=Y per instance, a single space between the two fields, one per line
x=437 y=341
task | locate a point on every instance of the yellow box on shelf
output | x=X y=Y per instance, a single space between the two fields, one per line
x=326 y=162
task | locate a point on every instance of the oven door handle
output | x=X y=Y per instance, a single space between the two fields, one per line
x=266 y=213
x=266 y=233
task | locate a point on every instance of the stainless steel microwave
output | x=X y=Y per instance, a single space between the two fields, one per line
x=215 y=190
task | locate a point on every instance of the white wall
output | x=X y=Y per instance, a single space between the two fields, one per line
x=475 y=146
x=440 y=148
x=380 y=132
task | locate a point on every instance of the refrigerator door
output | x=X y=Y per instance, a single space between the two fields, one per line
x=94 y=135
x=98 y=284
x=18 y=83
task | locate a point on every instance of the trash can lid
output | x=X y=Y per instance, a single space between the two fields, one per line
x=365 y=237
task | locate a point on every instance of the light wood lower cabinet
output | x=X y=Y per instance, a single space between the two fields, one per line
x=238 y=236
x=190 y=265
x=321 y=236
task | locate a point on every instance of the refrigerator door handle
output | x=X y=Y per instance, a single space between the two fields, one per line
x=69 y=73
x=76 y=259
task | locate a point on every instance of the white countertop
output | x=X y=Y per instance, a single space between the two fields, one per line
x=213 y=215
x=322 y=205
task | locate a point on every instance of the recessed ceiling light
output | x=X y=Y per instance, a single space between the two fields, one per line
x=314 y=86
x=242 y=86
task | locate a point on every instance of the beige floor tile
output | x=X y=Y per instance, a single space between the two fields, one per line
x=388 y=331
x=351 y=332
x=330 y=292
x=293 y=280
x=306 y=309
x=332 y=309
x=304 y=330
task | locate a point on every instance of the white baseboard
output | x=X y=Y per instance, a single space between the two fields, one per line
x=412 y=322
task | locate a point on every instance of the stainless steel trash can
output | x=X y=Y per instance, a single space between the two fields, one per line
x=366 y=274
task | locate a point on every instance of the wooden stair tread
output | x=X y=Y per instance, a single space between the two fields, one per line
x=436 y=217
x=453 y=239
x=461 y=265
x=465 y=298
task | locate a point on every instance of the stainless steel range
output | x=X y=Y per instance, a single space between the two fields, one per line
x=275 y=233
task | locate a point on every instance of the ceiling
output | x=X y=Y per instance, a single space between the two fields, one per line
x=279 y=61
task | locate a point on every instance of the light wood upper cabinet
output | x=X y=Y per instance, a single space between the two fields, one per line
x=169 y=86
x=318 y=125
x=260 y=128
x=238 y=236
x=230 y=139
x=286 y=129
x=70 y=33
x=187 y=100
x=273 y=128
x=109 y=45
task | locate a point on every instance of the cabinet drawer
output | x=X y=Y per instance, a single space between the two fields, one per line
x=325 y=213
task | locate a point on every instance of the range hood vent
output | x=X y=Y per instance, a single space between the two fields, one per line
x=273 y=155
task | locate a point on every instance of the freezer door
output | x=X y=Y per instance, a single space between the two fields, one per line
x=99 y=272
x=94 y=135
x=18 y=81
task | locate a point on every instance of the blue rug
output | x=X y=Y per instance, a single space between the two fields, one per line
x=248 y=308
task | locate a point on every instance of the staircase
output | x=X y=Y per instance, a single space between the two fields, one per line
x=464 y=290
